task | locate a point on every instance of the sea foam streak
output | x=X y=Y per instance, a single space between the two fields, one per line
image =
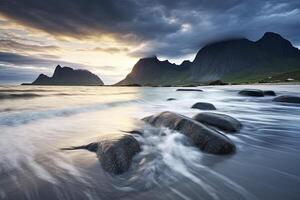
x=265 y=166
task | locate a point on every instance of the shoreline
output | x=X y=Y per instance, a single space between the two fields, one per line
x=136 y=85
x=144 y=86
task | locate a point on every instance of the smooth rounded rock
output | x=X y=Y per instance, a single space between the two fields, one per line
x=221 y=121
x=205 y=138
x=171 y=99
x=287 y=99
x=217 y=82
x=269 y=93
x=252 y=93
x=204 y=106
x=115 y=152
x=190 y=90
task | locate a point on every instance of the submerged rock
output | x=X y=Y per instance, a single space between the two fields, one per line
x=206 y=139
x=115 y=152
x=252 y=93
x=221 y=121
x=287 y=99
x=269 y=93
x=171 y=99
x=189 y=90
x=204 y=106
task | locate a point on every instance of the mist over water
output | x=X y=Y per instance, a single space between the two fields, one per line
x=35 y=122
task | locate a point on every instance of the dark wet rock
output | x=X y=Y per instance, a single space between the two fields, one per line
x=133 y=85
x=195 y=90
x=221 y=121
x=206 y=139
x=217 y=82
x=204 y=106
x=252 y=93
x=269 y=93
x=115 y=152
x=171 y=99
x=287 y=99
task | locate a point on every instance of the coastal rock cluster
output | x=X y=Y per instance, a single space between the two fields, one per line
x=206 y=139
x=257 y=93
x=206 y=131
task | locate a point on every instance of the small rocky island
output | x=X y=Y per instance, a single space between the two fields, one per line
x=68 y=76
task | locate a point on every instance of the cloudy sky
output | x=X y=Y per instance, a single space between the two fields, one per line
x=109 y=36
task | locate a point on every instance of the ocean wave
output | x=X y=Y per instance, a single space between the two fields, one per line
x=168 y=157
x=15 y=119
x=4 y=96
x=29 y=90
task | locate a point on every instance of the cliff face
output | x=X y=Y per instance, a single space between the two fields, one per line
x=68 y=76
x=235 y=60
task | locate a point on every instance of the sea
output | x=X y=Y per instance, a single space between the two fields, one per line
x=36 y=122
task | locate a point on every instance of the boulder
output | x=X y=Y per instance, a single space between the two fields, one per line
x=287 y=99
x=171 y=99
x=252 y=93
x=204 y=106
x=269 y=93
x=114 y=152
x=221 y=121
x=206 y=139
x=189 y=90
x=217 y=82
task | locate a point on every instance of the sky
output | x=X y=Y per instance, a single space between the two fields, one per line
x=108 y=37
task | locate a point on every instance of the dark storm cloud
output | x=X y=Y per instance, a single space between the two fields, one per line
x=81 y=17
x=12 y=75
x=33 y=61
x=167 y=27
x=17 y=46
x=16 y=59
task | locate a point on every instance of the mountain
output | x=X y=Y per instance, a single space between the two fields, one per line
x=152 y=71
x=235 y=60
x=68 y=76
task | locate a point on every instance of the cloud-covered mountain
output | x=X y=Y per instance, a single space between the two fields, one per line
x=234 y=60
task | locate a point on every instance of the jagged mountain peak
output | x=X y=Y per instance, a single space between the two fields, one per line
x=271 y=35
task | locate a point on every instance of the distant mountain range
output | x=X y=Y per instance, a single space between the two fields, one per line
x=234 y=61
x=68 y=76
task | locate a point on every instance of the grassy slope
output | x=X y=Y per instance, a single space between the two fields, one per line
x=281 y=77
x=275 y=68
